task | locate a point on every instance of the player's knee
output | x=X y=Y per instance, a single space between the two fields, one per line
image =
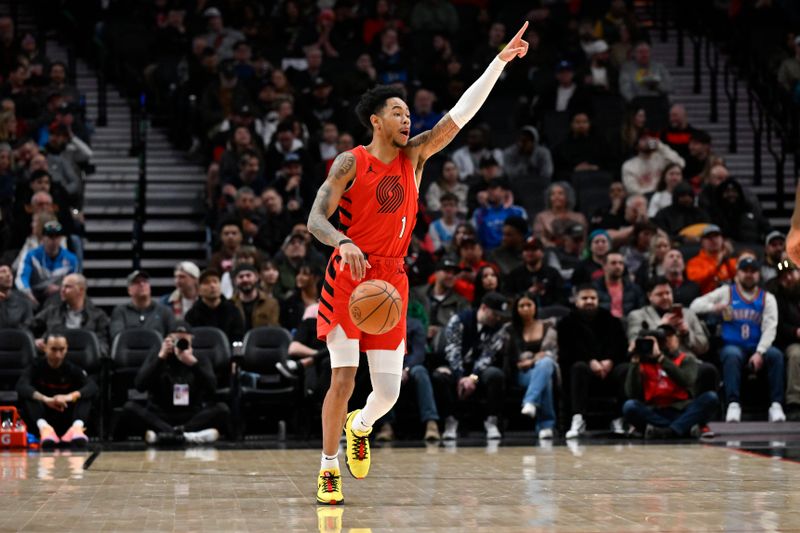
x=388 y=391
x=342 y=383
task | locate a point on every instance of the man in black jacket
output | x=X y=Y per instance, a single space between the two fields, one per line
x=786 y=288
x=476 y=340
x=177 y=385
x=213 y=310
x=591 y=353
x=56 y=394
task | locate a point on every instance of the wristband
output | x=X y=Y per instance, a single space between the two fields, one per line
x=345 y=241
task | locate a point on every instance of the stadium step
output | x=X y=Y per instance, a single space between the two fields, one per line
x=174 y=230
x=740 y=164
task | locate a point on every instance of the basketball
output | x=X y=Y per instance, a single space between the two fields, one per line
x=375 y=306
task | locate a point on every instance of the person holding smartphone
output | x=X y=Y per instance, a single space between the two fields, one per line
x=179 y=386
x=659 y=384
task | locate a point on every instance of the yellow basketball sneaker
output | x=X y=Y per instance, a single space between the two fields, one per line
x=357 y=448
x=329 y=487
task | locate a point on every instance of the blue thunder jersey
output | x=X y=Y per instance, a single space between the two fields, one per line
x=741 y=323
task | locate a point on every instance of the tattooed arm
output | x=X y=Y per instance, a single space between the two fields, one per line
x=342 y=172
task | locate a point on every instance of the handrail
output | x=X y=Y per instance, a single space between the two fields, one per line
x=712 y=62
x=779 y=156
x=753 y=107
x=139 y=109
x=732 y=94
x=102 y=86
x=697 y=43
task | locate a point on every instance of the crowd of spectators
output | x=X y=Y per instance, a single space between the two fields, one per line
x=537 y=263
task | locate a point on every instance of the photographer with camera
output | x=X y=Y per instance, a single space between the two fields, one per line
x=659 y=382
x=177 y=385
x=689 y=329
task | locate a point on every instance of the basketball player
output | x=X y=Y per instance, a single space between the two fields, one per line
x=793 y=239
x=375 y=189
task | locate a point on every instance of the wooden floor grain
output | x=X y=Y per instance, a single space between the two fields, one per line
x=628 y=487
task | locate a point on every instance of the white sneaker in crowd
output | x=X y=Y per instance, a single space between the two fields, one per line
x=618 y=426
x=546 y=434
x=490 y=425
x=776 y=413
x=204 y=436
x=450 y=428
x=734 y=413
x=577 y=428
x=529 y=409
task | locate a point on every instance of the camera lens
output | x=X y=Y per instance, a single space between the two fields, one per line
x=182 y=344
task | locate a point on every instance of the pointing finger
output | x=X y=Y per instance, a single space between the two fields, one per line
x=521 y=32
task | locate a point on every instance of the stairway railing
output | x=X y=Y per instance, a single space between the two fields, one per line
x=770 y=112
x=139 y=127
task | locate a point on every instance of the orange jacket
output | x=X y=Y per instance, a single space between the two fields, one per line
x=707 y=272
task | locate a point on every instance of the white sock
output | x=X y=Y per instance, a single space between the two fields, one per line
x=329 y=462
x=42 y=423
x=78 y=423
x=359 y=424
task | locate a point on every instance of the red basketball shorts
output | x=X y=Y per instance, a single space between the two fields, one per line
x=335 y=299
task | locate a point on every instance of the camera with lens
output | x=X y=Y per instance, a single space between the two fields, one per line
x=182 y=345
x=644 y=345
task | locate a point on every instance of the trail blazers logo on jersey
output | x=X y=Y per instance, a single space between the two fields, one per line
x=390 y=194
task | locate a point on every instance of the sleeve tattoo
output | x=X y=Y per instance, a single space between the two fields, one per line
x=327 y=200
x=436 y=139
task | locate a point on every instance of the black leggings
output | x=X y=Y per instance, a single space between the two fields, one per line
x=215 y=415
x=61 y=421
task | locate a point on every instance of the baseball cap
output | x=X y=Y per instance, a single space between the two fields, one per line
x=532 y=243
x=748 y=261
x=711 y=229
x=497 y=303
x=774 y=235
x=563 y=65
x=187 y=267
x=487 y=161
x=212 y=12
x=499 y=181
x=209 y=273
x=597 y=47
x=668 y=329
x=574 y=230
x=447 y=263
x=52 y=229
x=181 y=326
x=319 y=81
x=291 y=157
x=243 y=267
x=133 y=276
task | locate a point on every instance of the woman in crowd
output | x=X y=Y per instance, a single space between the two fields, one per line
x=652 y=268
x=534 y=354
x=670 y=178
x=632 y=129
x=560 y=206
x=486 y=280
x=637 y=251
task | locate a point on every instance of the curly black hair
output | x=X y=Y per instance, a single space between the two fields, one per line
x=374 y=100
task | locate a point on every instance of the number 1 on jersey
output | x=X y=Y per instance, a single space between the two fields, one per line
x=403 y=229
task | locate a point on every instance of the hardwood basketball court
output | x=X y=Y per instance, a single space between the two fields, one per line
x=598 y=487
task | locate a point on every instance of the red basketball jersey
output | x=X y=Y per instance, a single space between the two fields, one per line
x=379 y=210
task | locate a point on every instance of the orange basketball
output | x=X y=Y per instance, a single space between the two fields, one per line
x=375 y=306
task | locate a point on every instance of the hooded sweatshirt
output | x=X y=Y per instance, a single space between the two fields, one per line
x=738 y=220
x=674 y=218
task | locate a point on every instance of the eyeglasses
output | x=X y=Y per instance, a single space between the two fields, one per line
x=786 y=266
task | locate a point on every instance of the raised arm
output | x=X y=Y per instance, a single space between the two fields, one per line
x=429 y=142
x=342 y=172
x=793 y=239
